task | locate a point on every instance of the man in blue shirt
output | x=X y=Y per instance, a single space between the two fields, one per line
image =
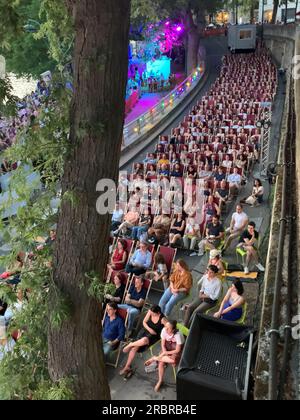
x=140 y=262
x=134 y=301
x=235 y=183
x=113 y=329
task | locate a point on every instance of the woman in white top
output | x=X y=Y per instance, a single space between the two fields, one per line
x=256 y=197
x=227 y=163
x=172 y=342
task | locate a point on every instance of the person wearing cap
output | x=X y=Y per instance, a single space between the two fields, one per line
x=208 y=296
x=215 y=259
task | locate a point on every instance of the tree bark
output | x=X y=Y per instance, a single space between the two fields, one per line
x=96 y=118
x=286 y=12
x=192 y=43
x=275 y=11
x=252 y=9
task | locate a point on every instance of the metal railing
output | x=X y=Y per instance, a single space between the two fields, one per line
x=145 y=122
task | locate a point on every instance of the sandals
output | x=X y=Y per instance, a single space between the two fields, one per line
x=128 y=375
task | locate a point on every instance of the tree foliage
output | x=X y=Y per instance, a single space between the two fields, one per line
x=23 y=372
x=41 y=39
x=7 y=99
x=158 y=9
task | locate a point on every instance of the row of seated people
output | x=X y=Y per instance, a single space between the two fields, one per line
x=189 y=131
x=180 y=193
x=156 y=324
x=204 y=144
x=200 y=170
x=177 y=286
x=158 y=268
x=188 y=230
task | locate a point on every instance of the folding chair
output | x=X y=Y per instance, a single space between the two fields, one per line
x=185 y=332
x=147 y=285
x=242 y=320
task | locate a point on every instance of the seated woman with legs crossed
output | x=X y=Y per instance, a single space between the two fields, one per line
x=231 y=308
x=153 y=324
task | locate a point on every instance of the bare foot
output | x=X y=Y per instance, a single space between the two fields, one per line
x=148 y=362
x=157 y=386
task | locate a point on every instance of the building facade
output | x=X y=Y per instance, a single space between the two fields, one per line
x=268 y=11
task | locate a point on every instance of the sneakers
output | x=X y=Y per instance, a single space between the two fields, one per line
x=260 y=267
x=246 y=270
x=193 y=254
x=200 y=253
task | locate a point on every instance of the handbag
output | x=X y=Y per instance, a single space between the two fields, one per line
x=234 y=267
x=152 y=367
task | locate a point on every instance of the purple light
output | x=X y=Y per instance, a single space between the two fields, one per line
x=179 y=28
x=168 y=23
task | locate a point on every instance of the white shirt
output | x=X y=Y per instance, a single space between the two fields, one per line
x=118 y=215
x=235 y=178
x=190 y=226
x=240 y=220
x=177 y=338
x=211 y=288
x=227 y=163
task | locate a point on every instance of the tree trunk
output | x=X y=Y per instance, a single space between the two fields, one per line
x=275 y=11
x=252 y=9
x=192 y=43
x=286 y=12
x=97 y=117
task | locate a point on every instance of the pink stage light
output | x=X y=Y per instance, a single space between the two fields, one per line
x=168 y=23
x=179 y=28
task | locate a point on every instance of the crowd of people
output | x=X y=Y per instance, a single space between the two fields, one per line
x=27 y=111
x=178 y=197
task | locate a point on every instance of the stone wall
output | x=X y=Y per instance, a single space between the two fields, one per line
x=284 y=43
x=297 y=105
x=281 y=41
